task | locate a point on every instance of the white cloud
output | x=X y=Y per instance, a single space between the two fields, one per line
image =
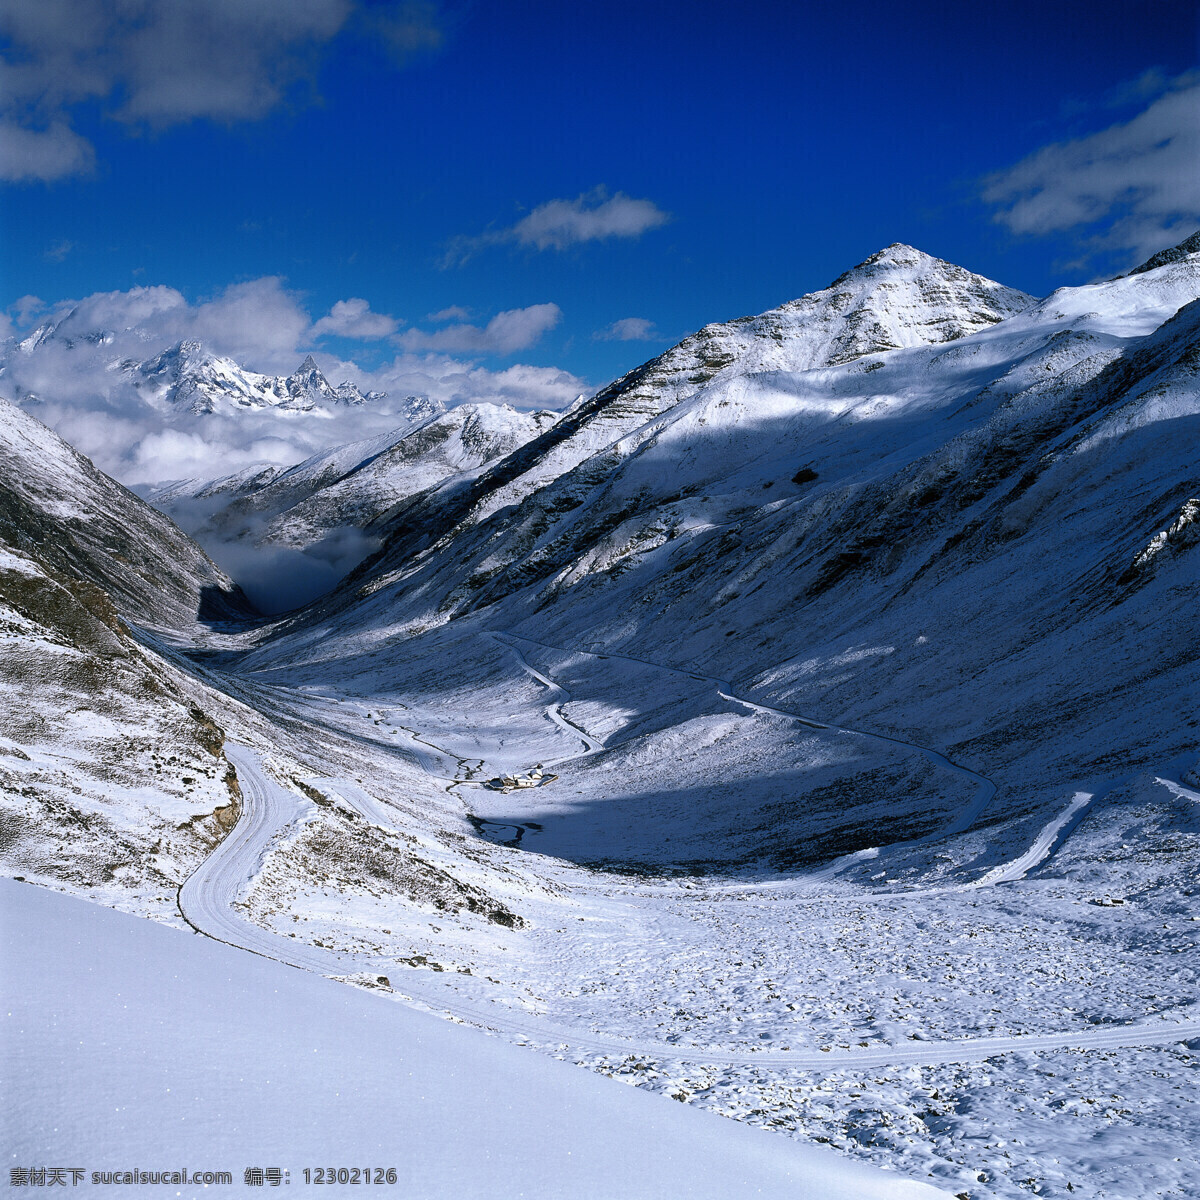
x=50 y=152
x=27 y=308
x=354 y=319
x=563 y=223
x=454 y=313
x=183 y=454
x=226 y=60
x=83 y=391
x=259 y=322
x=629 y=329
x=1135 y=186
x=505 y=333
x=1145 y=87
x=558 y=224
x=118 y=312
x=157 y=63
x=455 y=382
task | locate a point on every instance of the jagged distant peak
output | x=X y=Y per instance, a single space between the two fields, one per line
x=416 y=408
x=37 y=338
x=192 y=374
x=308 y=385
x=185 y=355
x=308 y=367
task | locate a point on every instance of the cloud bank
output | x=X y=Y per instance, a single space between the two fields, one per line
x=156 y=63
x=506 y=333
x=1133 y=187
x=80 y=383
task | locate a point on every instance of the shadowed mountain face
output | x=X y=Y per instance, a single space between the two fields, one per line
x=74 y=520
x=104 y=748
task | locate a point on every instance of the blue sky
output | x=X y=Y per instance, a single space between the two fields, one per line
x=610 y=176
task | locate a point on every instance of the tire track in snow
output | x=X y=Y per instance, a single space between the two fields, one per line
x=1047 y=842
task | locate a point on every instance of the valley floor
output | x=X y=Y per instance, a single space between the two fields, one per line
x=1002 y=1009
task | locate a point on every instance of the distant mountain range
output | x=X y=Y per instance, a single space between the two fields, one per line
x=190 y=376
x=183 y=410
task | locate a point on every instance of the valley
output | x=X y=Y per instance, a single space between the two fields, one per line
x=860 y=639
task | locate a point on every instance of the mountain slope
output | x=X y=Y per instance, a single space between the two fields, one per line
x=113 y=777
x=825 y=534
x=897 y=297
x=358 y=484
x=55 y=504
x=290 y=535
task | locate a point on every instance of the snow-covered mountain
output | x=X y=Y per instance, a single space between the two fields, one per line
x=818 y=502
x=324 y=509
x=191 y=375
x=357 y=484
x=898 y=297
x=77 y=521
x=857 y=645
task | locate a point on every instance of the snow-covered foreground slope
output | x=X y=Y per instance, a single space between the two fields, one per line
x=180 y=1052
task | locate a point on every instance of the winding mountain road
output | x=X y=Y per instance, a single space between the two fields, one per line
x=554 y=709
x=210 y=898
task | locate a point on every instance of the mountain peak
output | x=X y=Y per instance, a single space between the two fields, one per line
x=900 y=253
x=902 y=259
x=308 y=387
x=898 y=297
